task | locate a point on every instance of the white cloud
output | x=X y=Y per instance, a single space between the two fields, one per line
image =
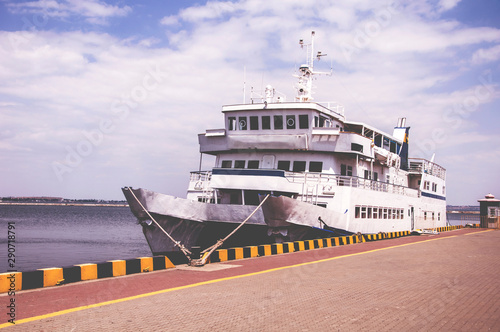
x=169 y=20
x=57 y=88
x=445 y=5
x=95 y=11
x=211 y=10
x=486 y=55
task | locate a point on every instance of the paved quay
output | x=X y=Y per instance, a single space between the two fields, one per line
x=446 y=282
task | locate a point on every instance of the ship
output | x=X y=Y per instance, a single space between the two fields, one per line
x=320 y=174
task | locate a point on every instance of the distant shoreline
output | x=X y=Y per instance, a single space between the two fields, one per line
x=126 y=205
x=64 y=204
x=462 y=212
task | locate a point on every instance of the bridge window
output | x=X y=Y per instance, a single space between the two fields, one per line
x=266 y=122
x=304 y=121
x=316 y=166
x=232 y=123
x=290 y=122
x=299 y=166
x=242 y=123
x=278 y=122
x=239 y=164
x=226 y=164
x=254 y=123
x=284 y=165
x=253 y=164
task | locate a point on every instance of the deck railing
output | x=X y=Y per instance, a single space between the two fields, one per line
x=329 y=181
x=425 y=166
x=200 y=176
x=323 y=183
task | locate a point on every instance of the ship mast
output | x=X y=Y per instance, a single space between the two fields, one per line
x=306 y=72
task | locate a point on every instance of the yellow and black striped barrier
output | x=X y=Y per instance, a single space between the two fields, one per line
x=222 y=255
x=16 y=281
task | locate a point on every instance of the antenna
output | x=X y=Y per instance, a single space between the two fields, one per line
x=306 y=71
x=244 y=83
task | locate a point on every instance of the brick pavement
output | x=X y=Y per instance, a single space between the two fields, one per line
x=448 y=283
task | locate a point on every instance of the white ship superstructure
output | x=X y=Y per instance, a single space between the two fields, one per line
x=325 y=174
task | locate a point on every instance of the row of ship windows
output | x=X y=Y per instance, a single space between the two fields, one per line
x=285 y=165
x=296 y=166
x=277 y=122
x=376 y=212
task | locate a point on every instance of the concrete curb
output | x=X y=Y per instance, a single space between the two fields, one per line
x=223 y=255
x=15 y=281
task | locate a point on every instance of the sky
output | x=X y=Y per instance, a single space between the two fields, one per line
x=96 y=95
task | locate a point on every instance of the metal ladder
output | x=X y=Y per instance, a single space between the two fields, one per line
x=310 y=193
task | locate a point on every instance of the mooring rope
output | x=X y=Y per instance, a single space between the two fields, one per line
x=207 y=252
x=184 y=250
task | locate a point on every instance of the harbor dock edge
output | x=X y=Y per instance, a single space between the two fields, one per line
x=55 y=276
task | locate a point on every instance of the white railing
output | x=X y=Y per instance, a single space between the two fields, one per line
x=202 y=176
x=328 y=182
x=333 y=106
x=425 y=166
x=314 y=184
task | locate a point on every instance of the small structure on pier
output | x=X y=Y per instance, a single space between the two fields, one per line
x=489 y=208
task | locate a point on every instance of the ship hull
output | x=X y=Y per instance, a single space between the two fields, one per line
x=293 y=220
x=192 y=223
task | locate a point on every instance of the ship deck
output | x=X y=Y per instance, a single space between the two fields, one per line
x=429 y=282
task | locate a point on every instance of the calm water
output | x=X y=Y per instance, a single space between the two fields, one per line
x=455 y=219
x=58 y=236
